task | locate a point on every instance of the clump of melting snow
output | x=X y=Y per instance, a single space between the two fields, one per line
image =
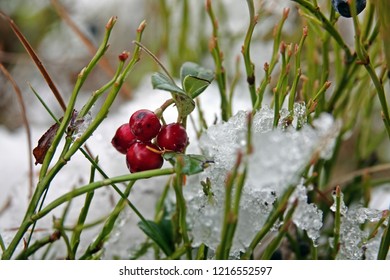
x=306 y=216
x=354 y=243
x=279 y=156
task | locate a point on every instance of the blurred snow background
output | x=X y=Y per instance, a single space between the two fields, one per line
x=64 y=55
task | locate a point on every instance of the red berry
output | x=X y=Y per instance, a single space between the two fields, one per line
x=145 y=125
x=172 y=137
x=140 y=158
x=123 y=138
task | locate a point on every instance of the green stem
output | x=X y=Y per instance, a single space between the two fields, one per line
x=385 y=242
x=294 y=87
x=271 y=248
x=249 y=66
x=219 y=69
x=229 y=218
x=182 y=208
x=268 y=68
x=276 y=214
x=75 y=239
x=97 y=94
x=337 y=223
x=2 y=245
x=364 y=58
x=38 y=245
x=77 y=192
x=104 y=234
x=327 y=25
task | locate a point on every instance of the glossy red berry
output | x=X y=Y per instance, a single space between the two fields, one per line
x=173 y=137
x=140 y=158
x=123 y=138
x=145 y=125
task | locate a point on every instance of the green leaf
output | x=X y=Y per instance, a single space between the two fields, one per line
x=159 y=233
x=160 y=81
x=197 y=71
x=194 y=78
x=191 y=164
x=184 y=103
x=194 y=86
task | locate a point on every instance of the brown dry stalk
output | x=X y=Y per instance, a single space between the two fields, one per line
x=36 y=60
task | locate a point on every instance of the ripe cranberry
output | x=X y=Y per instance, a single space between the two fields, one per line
x=123 y=138
x=145 y=125
x=172 y=137
x=140 y=158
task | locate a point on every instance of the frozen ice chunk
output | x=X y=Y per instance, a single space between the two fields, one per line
x=279 y=156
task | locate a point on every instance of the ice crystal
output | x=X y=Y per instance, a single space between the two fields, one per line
x=279 y=156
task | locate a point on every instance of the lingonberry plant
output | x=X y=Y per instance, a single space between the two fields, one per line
x=266 y=182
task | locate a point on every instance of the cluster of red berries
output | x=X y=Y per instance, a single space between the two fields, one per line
x=143 y=139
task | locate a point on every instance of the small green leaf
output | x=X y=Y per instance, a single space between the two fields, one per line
x=192 y=164
x=159 y=233
x=160 y=81
x=184 y=103
x=197 y=71
x=194 y=78
x=194 y=86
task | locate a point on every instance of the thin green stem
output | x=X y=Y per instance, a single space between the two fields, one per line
x=298 y=73
x=97 y=94
x=249 y=66
x=75 y=193
x=268 y=68
x=385 y=242
x=2 y=245
x=75 y=239
x=327 y=25
x=276 y=214
x=337 y=223
x=217 y=55
x=38 y=245
x=182 y=208
x=104 y=234
x=229 y=218
x=271 y=248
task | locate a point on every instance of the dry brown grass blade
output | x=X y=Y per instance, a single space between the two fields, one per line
x=25 y=123
x=36 y=59
x=104 y=62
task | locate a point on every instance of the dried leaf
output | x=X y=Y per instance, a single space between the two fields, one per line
x=44 y=143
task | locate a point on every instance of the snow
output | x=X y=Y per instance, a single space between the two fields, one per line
x=278 y=158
